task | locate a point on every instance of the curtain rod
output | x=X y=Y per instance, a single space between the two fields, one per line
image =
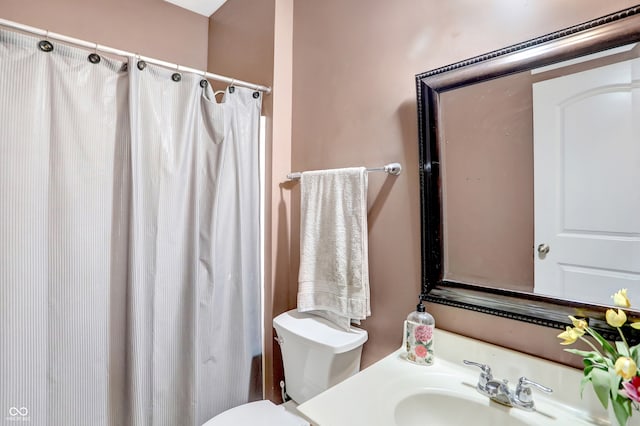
x=392 y=168
x=111 y=50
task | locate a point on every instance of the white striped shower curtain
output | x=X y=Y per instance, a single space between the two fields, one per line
x=129 y=251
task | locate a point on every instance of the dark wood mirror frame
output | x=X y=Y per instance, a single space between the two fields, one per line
x=610 y=31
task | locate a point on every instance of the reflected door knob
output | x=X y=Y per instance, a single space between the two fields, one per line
x=543 y=248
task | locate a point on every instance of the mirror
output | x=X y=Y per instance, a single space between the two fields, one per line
x=529 y=170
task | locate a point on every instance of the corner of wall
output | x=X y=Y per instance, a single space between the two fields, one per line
x=278 y=252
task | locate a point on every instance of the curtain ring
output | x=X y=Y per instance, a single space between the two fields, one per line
x=176 y=76
x=141 y=64
x=45 y=45
x=94 y=58
x=231 y=86
x=204 y=82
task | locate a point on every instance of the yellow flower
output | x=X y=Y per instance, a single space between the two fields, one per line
x=579 y=323
x=615 y=319
x=620 y=299
x=570 y=335
x=625 y=367
x=635 y=324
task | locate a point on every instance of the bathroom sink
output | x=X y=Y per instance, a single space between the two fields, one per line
x=395 y=392
x=442 y=409
x=447 y=396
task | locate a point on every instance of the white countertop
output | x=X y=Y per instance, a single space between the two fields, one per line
x=369 y=397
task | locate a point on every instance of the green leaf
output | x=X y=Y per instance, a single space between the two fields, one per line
x=603 y=342
x=586 y=379
x=588 y=368
x=614 y=383
x=622 y=348
x=622 y=409
x=609 y=363
x=635 y=350
x=584 y=354
x=601 y=382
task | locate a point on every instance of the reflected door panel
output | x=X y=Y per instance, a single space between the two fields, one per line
x=587 y=183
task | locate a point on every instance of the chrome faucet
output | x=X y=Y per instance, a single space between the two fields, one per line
x=499 y=391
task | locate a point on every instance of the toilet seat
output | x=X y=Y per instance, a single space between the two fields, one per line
x=265 y=413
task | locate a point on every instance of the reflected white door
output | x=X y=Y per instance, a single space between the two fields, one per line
x=587 y=183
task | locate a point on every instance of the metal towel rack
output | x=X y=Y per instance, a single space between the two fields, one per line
x=391 y=168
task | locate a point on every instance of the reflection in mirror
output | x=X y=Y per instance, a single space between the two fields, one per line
x=586 y=126
x=540 y=186
x=530 y=171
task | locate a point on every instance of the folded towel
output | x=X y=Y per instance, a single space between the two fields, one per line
x=333 y=280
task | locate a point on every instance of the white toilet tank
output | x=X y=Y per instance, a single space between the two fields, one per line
x=315 y=353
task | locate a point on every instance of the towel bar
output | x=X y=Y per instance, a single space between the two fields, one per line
x=391 y=168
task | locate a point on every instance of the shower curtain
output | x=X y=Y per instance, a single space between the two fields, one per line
x=129 y=251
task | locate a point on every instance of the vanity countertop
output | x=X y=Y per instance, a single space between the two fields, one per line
x=372 y=397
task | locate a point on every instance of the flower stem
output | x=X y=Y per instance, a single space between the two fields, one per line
x=590 y=344
x=624 y=340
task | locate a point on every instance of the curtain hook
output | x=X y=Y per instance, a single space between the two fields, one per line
x=231 y=86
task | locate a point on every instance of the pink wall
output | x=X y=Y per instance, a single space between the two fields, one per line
x=354 y=104
x=151 y=28
x=241 y=40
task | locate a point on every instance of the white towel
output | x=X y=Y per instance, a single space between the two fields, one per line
x=333 y=280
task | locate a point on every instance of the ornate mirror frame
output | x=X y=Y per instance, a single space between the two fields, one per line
x=610 y=31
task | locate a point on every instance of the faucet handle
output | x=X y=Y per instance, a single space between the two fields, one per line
x=485 y=375
x=523 y=392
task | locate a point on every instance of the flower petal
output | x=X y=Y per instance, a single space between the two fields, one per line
x=579 y=323
x=628 y=391
x=620 y=298
x=615 y=319
x=569 y=336
x=625 y=367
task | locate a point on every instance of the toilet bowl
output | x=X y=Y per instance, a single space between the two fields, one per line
x=316 y=355
x=257 y=413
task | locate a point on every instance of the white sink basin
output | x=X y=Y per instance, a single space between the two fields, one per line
x=396 y=392
x=451 y=399
x=441 y=408
x=445 y=394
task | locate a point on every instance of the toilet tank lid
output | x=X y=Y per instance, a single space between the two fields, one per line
x=321 y=331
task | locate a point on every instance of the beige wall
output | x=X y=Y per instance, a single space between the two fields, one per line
x=354 y=104
x=151 y=28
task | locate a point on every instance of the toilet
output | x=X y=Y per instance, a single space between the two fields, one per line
x=315 y=354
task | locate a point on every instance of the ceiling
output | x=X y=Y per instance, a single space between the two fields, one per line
x=202 y=7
